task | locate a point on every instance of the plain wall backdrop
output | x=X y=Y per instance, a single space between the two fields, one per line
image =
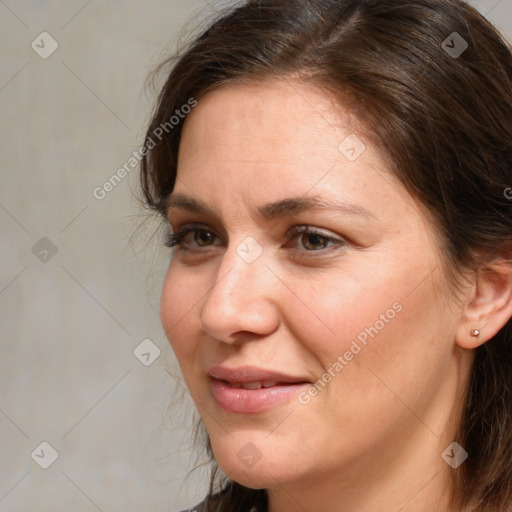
x=78 y=294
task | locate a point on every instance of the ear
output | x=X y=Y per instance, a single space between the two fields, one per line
x=489 y=306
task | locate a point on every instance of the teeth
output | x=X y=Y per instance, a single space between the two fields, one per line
x=254 y=385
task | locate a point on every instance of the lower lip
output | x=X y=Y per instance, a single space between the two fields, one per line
x=250 y=401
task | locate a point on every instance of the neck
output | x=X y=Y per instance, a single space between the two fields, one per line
x=405 y=484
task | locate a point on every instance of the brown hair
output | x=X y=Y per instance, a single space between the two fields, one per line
x=444 y=121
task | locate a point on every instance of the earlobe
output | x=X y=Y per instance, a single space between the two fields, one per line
x=490 y=307
x=471 y=338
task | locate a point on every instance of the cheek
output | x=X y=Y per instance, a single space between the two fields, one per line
x=408 y=357
x=380 y=324
x=337 y=311
x=176 y=314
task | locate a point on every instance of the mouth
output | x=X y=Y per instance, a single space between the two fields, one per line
x=250 y=390
x=257 y=384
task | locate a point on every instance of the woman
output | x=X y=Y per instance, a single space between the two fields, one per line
x=340 y=292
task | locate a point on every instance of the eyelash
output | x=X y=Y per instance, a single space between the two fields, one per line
x=176 y=239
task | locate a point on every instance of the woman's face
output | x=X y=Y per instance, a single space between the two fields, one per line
x=309 y=264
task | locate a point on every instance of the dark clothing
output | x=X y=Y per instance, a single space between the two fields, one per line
x=201 y=507
x=256 y=501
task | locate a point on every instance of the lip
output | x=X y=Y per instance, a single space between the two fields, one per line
x=251 y=374
x=251 y=401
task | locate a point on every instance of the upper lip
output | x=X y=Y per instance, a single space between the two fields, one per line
x=252 y=374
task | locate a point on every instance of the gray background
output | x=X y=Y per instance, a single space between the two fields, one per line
x=70 y=322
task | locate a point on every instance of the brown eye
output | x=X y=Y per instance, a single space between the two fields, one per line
x=193 y=237
x=309 y=242
x=203 y=238
x=313 y=241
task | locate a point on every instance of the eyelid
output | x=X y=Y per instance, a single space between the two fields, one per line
x=307 y=229
x=174 y=237
x=338 y=243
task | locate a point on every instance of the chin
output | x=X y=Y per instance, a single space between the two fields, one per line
x=253 y=478
x=248 y=465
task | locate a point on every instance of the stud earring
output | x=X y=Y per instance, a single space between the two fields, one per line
x=475 y=333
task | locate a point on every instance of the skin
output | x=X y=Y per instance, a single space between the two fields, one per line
x=372 y=438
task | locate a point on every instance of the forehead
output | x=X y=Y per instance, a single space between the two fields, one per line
x=262 y=142
x=274 y=121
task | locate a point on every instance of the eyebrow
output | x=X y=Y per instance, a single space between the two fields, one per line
x=273 y=210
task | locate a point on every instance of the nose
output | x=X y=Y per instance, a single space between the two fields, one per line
x=242 y=300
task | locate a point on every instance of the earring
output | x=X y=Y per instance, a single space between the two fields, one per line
x=475 y=333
